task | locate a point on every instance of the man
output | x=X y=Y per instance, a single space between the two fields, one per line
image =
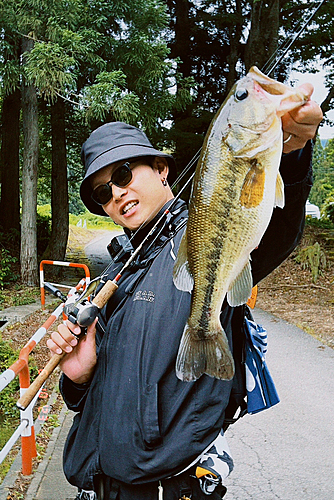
x=139 y=431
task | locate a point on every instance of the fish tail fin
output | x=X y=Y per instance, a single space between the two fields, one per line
x=210 y=355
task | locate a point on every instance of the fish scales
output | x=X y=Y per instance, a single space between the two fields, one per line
x=236 y=186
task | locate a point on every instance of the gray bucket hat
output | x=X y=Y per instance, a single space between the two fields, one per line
x=110 y=143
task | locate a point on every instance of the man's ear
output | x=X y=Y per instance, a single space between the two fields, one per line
x=161 y=164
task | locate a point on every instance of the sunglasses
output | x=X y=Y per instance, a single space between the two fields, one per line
x=121 y=177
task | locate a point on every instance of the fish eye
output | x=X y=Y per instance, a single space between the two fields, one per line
x=241 y=94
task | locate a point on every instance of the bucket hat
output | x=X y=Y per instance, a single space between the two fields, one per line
x=110 y=143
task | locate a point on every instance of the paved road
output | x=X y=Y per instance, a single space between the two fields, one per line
x=287 y=452
x=97 y=253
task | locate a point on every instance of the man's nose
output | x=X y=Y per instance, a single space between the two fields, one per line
x=118 y=192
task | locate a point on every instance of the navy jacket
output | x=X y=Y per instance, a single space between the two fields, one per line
x=137 y=422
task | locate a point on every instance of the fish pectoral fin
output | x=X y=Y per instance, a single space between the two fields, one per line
x=253 y=187
x=182 y=277
x=210 y=355
x=241 y=288
x=279 y=194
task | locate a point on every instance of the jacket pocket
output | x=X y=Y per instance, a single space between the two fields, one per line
x=149 y=417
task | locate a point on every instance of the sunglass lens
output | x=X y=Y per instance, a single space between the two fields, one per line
x=102 y=194
x=122 y=176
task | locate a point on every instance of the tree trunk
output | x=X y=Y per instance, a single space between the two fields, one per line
x=235 y=34
x=59 y=189
x=263 y=37
x=10 y=163
x=29 y=274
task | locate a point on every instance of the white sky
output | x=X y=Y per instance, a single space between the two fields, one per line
x=319 y=94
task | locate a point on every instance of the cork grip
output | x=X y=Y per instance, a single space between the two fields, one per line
x=100 y=300
x=33 y=389
x=104 y=294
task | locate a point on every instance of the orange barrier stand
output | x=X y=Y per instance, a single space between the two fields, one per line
x=21 y=368
x=59 y=263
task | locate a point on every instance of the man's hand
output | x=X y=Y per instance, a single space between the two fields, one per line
x=80 y=360
x=300 y=125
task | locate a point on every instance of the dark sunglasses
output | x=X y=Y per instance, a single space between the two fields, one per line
x=121 y=178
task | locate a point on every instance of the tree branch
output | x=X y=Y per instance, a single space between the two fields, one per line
x=326 y=104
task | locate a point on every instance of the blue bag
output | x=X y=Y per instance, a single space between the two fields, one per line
x=261 y=391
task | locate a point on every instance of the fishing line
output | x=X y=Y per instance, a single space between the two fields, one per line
x=175 y=199
x=269 y=69
x=284 y=43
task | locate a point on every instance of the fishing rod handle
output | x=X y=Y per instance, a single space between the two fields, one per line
x=105 y=293
x=33 y=389
x=100 y=300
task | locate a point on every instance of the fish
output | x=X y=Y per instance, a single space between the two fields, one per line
x=236 y=186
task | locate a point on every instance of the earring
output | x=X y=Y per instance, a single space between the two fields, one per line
x=164 y=182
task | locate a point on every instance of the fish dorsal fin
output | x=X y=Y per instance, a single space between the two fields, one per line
x=241 y=288
x=182 y=277
x=253 y=187
x=279 y=194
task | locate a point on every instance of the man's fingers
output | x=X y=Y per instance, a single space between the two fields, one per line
x=62 y=340
x=308 y=114
x=301 y=124
x=307 y=89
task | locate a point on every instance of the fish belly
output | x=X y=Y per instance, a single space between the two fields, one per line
x=221 y=234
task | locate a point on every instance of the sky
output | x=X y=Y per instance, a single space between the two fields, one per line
x=319 y=94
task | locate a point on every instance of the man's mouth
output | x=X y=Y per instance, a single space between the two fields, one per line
x=128 y=207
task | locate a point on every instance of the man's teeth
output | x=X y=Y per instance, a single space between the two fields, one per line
x=129 y=206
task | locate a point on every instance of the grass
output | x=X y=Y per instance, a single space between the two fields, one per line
x=91 y=221
x=17 y=295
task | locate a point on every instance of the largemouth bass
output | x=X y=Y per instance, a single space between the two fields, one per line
x=236 y=186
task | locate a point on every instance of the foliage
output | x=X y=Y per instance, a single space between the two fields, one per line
x=109 y=95
x=18 y=296
x=328 y=208
x=7 y=400
x=6 y=267
x=322 y=191
x=321 y=223
x=92 y=221
x=314 y=258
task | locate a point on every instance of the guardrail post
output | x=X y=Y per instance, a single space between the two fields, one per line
x=28 y=434
x=20 y=367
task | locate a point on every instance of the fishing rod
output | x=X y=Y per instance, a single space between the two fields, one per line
x=273 y=62
x=85 y=315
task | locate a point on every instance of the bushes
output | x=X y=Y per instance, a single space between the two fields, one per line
x=6 y=262
x=7 y=396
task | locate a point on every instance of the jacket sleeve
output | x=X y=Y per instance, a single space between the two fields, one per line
x=73 y=394
x=286 y=226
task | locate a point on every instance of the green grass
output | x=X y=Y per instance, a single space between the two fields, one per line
x=18 y=296
x=93 y=221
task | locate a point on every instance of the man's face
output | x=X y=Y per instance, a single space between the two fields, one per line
x=139 y=201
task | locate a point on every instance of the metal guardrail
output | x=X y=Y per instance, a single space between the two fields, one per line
x=59 y=263
x=20 y=368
